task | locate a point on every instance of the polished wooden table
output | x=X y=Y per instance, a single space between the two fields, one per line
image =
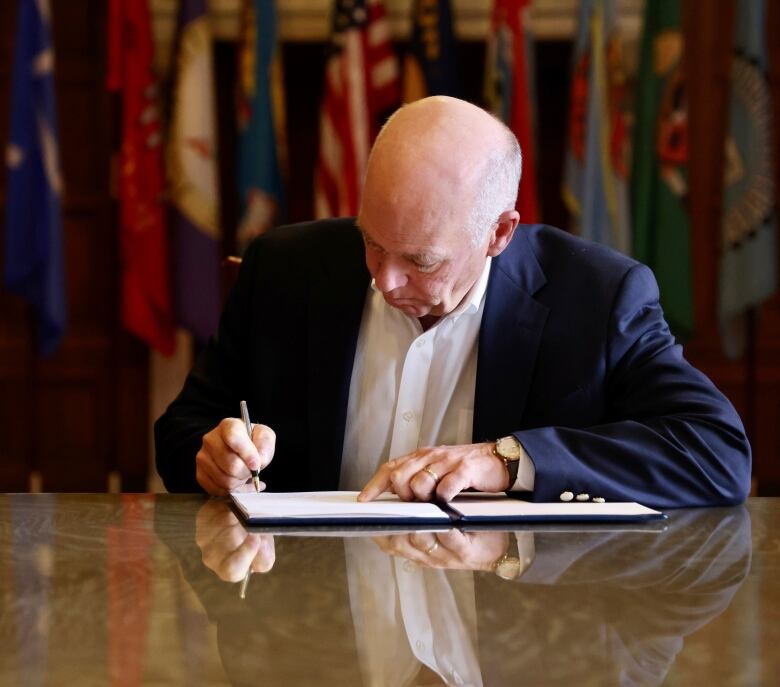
x=142 y=589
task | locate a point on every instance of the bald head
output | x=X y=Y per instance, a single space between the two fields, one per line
x=446 y=160
x=437 y=203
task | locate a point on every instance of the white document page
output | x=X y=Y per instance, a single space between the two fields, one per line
x=500 y=507
x=337 y=505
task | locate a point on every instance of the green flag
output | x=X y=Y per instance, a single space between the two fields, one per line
x=660 y=165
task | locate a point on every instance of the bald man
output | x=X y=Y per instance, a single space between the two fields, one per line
x=434 y=345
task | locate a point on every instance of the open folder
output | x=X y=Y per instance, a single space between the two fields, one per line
x=343 y=508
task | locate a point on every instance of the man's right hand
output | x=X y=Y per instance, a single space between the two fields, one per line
x=227 y=455
x=227 y=548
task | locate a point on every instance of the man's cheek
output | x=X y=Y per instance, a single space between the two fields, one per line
x=437 y=288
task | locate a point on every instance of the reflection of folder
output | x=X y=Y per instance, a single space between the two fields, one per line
x=342 y=508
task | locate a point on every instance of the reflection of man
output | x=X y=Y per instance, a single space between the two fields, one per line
x=612 y=605
x=469 y=331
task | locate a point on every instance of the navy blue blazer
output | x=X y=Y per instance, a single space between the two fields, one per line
x=575 y=359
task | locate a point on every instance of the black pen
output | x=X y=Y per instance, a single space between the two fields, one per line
x=245 y=417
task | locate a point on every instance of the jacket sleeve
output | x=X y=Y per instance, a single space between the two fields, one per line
x=669 y=439
x=211 y=392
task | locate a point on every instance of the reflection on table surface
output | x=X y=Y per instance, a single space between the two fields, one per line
x=141 y=589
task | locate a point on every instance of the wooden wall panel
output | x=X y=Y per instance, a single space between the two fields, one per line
x=17 y=428
x=767 y=355
x=81 y=413
x=70 y=453
x=92 y=267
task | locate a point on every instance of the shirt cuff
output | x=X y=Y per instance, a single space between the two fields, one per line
x=526 y=473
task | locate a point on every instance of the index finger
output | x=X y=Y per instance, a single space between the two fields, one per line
x=233 y=433
x=264 y=440
x=266 y=555
x=378 y=483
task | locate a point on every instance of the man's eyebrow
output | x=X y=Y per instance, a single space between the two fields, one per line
x=423 y=257
x=364 y=233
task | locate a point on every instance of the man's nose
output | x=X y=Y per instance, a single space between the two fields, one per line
x=389 y=275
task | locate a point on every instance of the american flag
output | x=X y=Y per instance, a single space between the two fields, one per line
x=361 y=82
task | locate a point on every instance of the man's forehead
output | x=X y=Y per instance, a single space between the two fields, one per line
x=443 y=235
x=411 y=242
x=416 y=218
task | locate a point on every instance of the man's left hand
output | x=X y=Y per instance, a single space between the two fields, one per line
x=439 y=473
x=450 y=550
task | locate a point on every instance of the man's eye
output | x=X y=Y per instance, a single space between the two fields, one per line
x=427 y=267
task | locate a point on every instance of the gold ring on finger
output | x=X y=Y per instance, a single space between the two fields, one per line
x=432 y=548
x=427 y=469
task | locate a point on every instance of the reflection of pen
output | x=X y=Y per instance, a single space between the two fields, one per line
x=244 y=584
x=255 y=473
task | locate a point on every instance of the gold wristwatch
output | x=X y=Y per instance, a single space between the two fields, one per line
x=508 y=567
x=510 y=451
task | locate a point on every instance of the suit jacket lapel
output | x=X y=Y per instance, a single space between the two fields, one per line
x=512 y=325
x=335 y=311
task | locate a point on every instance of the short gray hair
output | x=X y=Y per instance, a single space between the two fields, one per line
x=498 y=190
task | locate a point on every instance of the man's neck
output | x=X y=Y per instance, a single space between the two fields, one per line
x=427 y=321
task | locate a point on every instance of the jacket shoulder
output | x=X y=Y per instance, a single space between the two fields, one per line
x=554 y=247
x=583 y=269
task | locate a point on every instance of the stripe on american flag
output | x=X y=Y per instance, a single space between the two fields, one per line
x=361 y=82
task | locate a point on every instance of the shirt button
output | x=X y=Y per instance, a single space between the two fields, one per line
x=567 y=496
x=408 y=416
x=420 y=343
x=420 y=646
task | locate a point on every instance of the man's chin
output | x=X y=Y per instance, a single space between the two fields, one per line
x=409 y=307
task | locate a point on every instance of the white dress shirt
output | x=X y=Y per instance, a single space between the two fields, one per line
x=411 y=388
x=405 y=615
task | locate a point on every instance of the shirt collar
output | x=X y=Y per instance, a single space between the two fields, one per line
x=473 y=299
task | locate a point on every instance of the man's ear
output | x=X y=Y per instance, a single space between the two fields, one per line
x=502 y=235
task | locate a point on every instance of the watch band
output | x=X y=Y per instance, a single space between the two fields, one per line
x=512 y=467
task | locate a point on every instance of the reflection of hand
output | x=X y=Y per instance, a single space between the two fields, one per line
x=227 y=548
x=439 y=472
x=452 y=549
x=227 y=455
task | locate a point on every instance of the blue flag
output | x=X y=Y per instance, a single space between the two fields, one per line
x=33 y=222
x=261 y=123
x=430 y=62
x=748 y=266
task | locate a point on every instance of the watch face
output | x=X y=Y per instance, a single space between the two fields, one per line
x=509 y=448
x=508 y=568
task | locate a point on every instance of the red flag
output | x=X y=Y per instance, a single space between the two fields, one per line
x=147 y=309
x=509 y=91
x=361 y=82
